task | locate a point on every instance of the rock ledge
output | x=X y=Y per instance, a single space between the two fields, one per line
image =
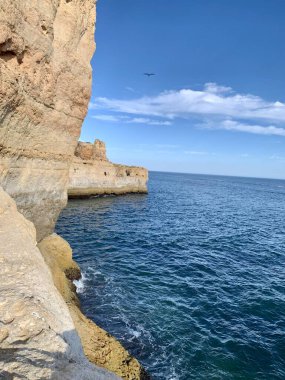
x=91 y=173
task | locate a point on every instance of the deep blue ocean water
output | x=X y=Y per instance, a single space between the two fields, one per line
x=191 y=277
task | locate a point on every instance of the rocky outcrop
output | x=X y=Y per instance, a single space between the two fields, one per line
x=45 y=75
x=38 y=339
x=87 y=151
x=100 y=151
x=91 y=173
x=99 y=346
x=45 y=81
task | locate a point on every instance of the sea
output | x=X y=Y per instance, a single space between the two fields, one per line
x=190 y=278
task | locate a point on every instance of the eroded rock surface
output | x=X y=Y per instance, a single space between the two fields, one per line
x=88 y=151
x=38 y=339
x=45 y=80
x=99 y=346
x=91 y=173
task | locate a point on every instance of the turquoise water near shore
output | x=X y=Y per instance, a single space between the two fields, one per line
x=191 y=277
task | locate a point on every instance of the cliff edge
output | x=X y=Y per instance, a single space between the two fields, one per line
x=91 y=173
x=45 y=85
x=45 y=73
x=99 y=346
x=38 y=339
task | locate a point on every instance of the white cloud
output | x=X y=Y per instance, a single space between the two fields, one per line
x=130 y=120
x=231 y=125
x=212 y=100
x=106 y=117
x=216 y=89
x=142 y=120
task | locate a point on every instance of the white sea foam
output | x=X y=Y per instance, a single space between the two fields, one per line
x=134 y=333
x=80 y=284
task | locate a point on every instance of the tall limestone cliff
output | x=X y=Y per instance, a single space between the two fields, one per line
x=45 y=81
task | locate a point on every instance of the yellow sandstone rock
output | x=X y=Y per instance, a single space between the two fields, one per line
x=99 y=346
x=38 y=339
x=91 y=173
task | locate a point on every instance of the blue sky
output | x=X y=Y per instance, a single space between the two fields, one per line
x=217 y=102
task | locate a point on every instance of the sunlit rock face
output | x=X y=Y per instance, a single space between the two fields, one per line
x=38 y=339
x=45 y=81
x=91 y=173
x=88 y=151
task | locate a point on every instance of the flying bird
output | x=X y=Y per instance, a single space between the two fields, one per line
x=149 y=74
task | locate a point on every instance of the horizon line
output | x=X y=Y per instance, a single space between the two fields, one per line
x=217 y=175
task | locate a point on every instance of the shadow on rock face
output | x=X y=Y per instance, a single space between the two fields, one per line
x=24 y=362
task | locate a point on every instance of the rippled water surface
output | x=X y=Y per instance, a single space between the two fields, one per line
x=191 y=277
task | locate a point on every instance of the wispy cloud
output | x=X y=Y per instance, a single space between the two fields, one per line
x=131 y=89
x=130 y=120
x=232 y=125
x=142 y=120
x=277 y=157
x=93 y=106
x=106 y=118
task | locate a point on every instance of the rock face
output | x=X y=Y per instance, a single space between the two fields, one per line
x=45 y=76
x=92 y=174
x=38 y=339
x=99 y=346
x=45 y=80
x=100 y=151
x=87 y=151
